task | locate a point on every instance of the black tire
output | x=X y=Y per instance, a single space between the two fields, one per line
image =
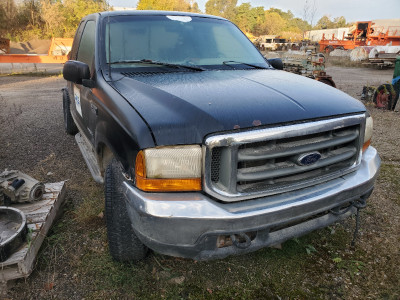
x=69 y=124
x=327 y=81
x=123 y=243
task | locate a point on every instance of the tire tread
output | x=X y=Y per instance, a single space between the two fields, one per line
x=123 y=243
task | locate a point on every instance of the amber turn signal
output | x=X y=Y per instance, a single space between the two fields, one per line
x=366 y=145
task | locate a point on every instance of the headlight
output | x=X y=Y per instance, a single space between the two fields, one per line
x=164 y=169
x=369 y=124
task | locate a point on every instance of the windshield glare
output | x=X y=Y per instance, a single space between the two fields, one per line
x=177 y=40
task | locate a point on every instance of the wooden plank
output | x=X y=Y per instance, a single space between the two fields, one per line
x=19 y=255
x=40 y=217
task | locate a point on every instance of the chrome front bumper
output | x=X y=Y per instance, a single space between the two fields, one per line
x=189 y=224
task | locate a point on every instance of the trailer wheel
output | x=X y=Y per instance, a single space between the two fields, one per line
x=328 y=49
x=123 y=243
x=69 y=124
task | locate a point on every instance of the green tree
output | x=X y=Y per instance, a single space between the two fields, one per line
x=29 y=13
x=172 y=5
x=324 y=23
x=260 y=19
x=8 y=13
x=53 y=17
x=75 y=10
x=340 y=22
x=285 y=15
x=222 y=8
x=247 y=18
x=299 y=24
x=274 y=23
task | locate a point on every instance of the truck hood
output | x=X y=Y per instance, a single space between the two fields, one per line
x=184 y=107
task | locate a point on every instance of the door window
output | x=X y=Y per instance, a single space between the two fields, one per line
x=86 y=46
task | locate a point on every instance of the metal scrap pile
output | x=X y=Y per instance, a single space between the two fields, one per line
x=360 y=53
x=340 y=53
x=384 y=56
x=309 y=64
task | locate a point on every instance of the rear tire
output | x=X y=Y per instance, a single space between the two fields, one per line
x=123 y=243
x=69 y=124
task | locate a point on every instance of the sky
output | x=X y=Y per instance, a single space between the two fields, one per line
x=352 y=10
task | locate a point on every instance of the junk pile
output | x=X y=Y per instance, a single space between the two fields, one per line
x=28 y=211
x=386 y=95
x=384 y=56
x=340 y=53
x=15 y=187
x=360 y=53
x=309 y=64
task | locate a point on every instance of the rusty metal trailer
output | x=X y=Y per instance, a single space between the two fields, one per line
x=365 y=33
x=57 y=54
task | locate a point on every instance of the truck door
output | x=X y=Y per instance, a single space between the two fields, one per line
x=85 y=111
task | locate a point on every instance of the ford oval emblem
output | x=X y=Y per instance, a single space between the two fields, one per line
x=308 y=159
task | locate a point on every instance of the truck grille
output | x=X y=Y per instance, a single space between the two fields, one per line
x=268 y=161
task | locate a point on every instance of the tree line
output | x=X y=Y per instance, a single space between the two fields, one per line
x=44 y=19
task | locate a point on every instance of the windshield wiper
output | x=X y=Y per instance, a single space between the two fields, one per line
x=228 y=62
x=160 y=63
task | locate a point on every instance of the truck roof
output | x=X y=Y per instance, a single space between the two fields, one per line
x=154 y=13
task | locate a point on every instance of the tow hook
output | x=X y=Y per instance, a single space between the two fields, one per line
x=241 y=245
x=358 y=204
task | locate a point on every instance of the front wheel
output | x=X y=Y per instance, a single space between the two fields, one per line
x=69 y=124
x=123 y=243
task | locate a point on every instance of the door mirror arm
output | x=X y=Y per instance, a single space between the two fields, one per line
x=89 y=83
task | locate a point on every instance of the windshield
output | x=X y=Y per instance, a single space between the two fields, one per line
x=130 y=41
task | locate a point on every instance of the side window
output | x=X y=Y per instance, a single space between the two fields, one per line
x=86 y=46
x=75 y=44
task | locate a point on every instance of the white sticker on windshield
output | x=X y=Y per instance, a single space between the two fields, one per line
x=77 y=97
x=180 y=18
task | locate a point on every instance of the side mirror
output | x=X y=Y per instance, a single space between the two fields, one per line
x=276 y=63
x=76 y=71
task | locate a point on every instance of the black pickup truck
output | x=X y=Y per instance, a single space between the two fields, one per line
x=206 y=149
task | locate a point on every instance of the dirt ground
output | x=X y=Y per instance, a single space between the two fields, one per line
x=74 y=262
